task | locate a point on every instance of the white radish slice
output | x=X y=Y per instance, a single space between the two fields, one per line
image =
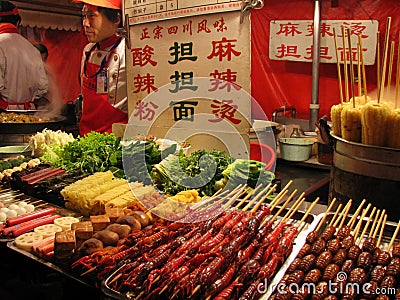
x=65 y=222
x=25 y=241
x=48 y=230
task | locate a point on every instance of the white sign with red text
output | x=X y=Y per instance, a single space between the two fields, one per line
x=293 y=40
x=143 y=11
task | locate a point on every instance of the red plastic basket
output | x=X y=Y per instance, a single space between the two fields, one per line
x=263 y=153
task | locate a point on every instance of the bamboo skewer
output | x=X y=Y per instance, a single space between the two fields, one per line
x=394 y=236
x=346 y=212
x=379 y=222
x=374 y=223
x=346 y=76
x=359 y=76
x=280 y=194
x=259 y=196
x=378 y=61
x=397 y=74
x=358 y=227
x=366 y=226
x=354 y=217
x=325 y=215
x=283 y=206
x=270 y=191
x=290 y=214
x=308 y=212
x=351 y=67
x=278 y=200
x=247 y=197
x=364 y=74
x=338 y=66
x=335 y=214
x=341 y=214
x=382 y=230
x=391 y=57
x=383 y=72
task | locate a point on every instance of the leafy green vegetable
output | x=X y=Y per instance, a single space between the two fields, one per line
x=94 y=152
x=139 y=158
x=244 y=171
x=200 y=170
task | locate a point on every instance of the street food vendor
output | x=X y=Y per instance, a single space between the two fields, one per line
x=23 y=79
x=103 y=74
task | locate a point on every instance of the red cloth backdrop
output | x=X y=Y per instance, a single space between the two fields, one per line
x=278 y=83
x=63 y=64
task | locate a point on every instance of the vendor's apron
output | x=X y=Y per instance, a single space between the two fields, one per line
x=97 y=113
x=4 y=104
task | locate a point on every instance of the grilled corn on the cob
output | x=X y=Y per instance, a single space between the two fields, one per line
x=373 y=121
x=393 y=129
x=350 y=119
x=336 y=111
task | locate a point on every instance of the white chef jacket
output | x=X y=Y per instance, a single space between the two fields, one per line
x=22 y=74
x=116 y=73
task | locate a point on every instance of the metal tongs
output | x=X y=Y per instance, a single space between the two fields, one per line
x=124 y=32
x=247 y=5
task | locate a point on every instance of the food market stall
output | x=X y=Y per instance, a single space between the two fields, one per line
x=201 y=242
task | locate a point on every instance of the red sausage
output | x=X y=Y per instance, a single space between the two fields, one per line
x=30 y=216
x=21 y=228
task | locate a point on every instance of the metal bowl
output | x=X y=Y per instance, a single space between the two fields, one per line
x=10 y=151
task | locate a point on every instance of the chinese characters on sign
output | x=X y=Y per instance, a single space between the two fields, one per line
x=142 y=11
x=175 y=52
x=293 y=40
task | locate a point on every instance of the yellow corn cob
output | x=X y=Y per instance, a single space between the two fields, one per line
x=336 y=110
x=373 y=122
x=393 y=129
x=350 y=119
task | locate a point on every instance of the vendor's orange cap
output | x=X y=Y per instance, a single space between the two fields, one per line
x=114 y=4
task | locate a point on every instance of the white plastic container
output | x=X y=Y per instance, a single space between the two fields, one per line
x=295 y=149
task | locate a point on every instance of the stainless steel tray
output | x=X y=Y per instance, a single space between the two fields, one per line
x=49 y=264
x=389 y=230
x=39 y=204
x=310 y=224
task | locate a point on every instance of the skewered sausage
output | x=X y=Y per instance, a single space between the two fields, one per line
x=358 y=276
x=354 y=252
x=305 y=250
x=312 y=237
x=369 y=290
x=321 y=291
x=383 y=258
x=307 y=262
x=369 y=244
x=377 y=273
x=324 y=259
x=340 y=257
x=318 y=247
x=348 y=266
x=364 y=260
x=388 y=282
x=396 y=250
x=313 y=276
x=328 y=233
x=294 y=265
x=296 y=277
x=330 y=272
x=333 y=245
x=393 y=267
x=347 y=242
x=343 y=232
